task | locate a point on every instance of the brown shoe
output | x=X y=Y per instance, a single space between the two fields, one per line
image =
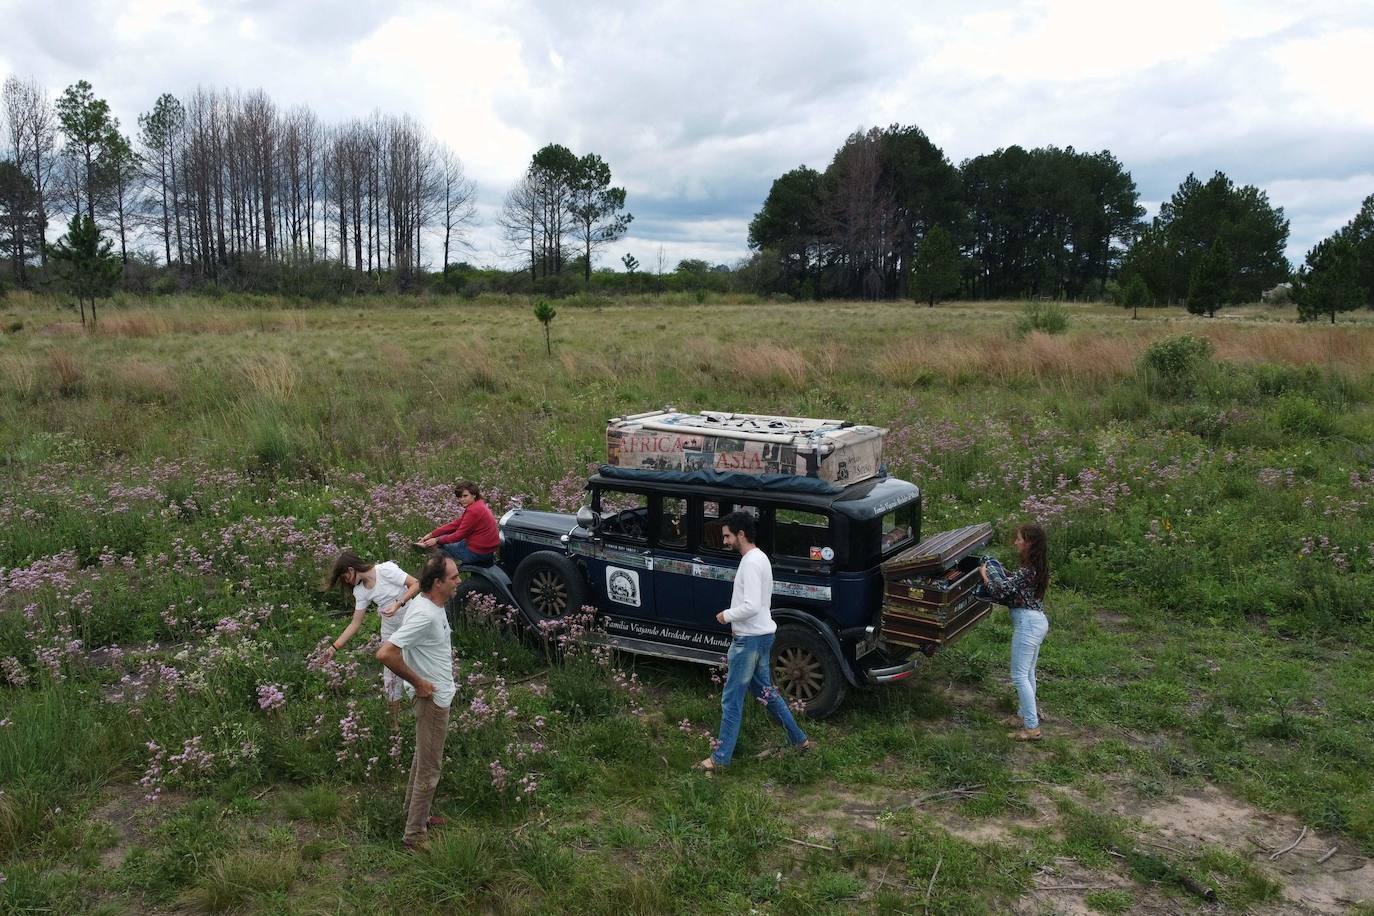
x=415 y=845
x=1025 y=734
x=805 y=747
x=436 y=820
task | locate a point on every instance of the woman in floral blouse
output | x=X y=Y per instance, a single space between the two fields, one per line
x=1024 y=592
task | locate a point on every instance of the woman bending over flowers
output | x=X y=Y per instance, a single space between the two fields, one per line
x=384 y=586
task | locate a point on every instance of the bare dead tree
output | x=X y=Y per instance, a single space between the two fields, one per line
x=521 y=222
x=459 y=206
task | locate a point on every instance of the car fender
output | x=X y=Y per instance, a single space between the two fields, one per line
x=499 y=581
x=792 y=615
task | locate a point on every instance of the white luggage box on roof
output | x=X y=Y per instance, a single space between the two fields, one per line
x=835 y=451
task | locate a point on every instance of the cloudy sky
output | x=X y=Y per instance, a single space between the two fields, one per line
x=698 y=106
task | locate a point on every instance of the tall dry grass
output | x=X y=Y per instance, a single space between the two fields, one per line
x=272 y=375
x=67 y=372
x=139 y=324
x=19 y=376
x=766 y=364
x=141 y=380
x=1345 y=349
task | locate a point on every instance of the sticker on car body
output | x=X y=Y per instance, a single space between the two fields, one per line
x=622 y=586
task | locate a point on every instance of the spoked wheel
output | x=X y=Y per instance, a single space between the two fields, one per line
x=807 y=671
x=549 y=585
x=548 y=593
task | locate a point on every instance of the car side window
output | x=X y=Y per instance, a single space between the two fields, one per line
x=800 y=535
x=624 y=515
x=899 y=528
x=672 y=524
x=712 y=538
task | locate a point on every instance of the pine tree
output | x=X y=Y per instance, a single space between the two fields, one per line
x=1134 y=294
x=1330 y=280
x=935 y=272
x=86 y=263
x=1212 y=284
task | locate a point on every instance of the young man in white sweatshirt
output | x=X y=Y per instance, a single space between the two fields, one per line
x=752 y=628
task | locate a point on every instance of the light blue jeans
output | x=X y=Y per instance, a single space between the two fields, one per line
x=748 y=661
x=1028 y=629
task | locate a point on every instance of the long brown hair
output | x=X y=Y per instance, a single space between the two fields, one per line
x=345 y=561
x=1036 y=556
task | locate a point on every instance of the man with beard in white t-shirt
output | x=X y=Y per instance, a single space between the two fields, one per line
x=421 y=653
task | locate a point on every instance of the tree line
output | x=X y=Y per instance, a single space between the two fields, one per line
x=227 y=184
x=227 y=189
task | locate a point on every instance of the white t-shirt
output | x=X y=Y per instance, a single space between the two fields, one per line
x=750 y=611
x=390 y=588
x=427 y=647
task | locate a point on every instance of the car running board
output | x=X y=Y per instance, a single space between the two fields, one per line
x=647 y=647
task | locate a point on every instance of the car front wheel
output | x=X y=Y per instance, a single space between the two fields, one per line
x=548 y=585
x=807 y=671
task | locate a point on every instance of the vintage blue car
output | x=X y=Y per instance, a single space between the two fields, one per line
x=647 y=554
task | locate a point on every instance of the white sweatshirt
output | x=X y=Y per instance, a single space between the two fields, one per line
x=749 y=613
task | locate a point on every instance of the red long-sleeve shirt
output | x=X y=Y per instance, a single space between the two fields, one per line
x=477 y=525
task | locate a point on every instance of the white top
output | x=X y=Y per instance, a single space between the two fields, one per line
x=427 y=647
x=389 y=588
x=749 y=613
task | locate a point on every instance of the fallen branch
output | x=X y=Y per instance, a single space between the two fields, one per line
x=1204 y=891
x=1265 y=846
x=1291 y=846
x=812 y=845
x=933 y=875
x=944 y=793
x=1077 y=887
x=1329 y=853
x=1356 y=867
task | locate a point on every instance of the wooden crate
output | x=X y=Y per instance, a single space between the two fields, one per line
x=933 y=592
x=937 y=552
x=925 y=632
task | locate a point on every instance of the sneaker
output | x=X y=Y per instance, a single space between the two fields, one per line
x=415 y=845
x=805 y=747
x=1025 y=734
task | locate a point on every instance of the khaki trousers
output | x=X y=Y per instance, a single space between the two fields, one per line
x=431 y=727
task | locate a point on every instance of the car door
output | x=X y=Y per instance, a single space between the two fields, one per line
x=714 y=564
x=620 y=562
x=673 y=563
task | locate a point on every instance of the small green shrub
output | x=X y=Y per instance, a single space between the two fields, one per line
x=1300 y=416
x=1110 y=901
x=1177 y=365
x=1175 y=357
x=1046 y=317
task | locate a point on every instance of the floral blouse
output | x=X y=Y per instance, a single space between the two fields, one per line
x=1015 y=590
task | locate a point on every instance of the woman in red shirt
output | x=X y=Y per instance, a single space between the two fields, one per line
x=471 y=537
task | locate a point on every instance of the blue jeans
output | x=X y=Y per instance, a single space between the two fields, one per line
x=748 y=659
x=460 y=552
x=1028 y=629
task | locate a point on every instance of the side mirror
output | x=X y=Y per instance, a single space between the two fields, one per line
x=588 y=518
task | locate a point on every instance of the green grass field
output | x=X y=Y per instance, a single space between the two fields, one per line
x=174 y=479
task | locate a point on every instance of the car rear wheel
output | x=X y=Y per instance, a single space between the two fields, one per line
x=462 y=604
x=548 y=585
x=806 y=670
